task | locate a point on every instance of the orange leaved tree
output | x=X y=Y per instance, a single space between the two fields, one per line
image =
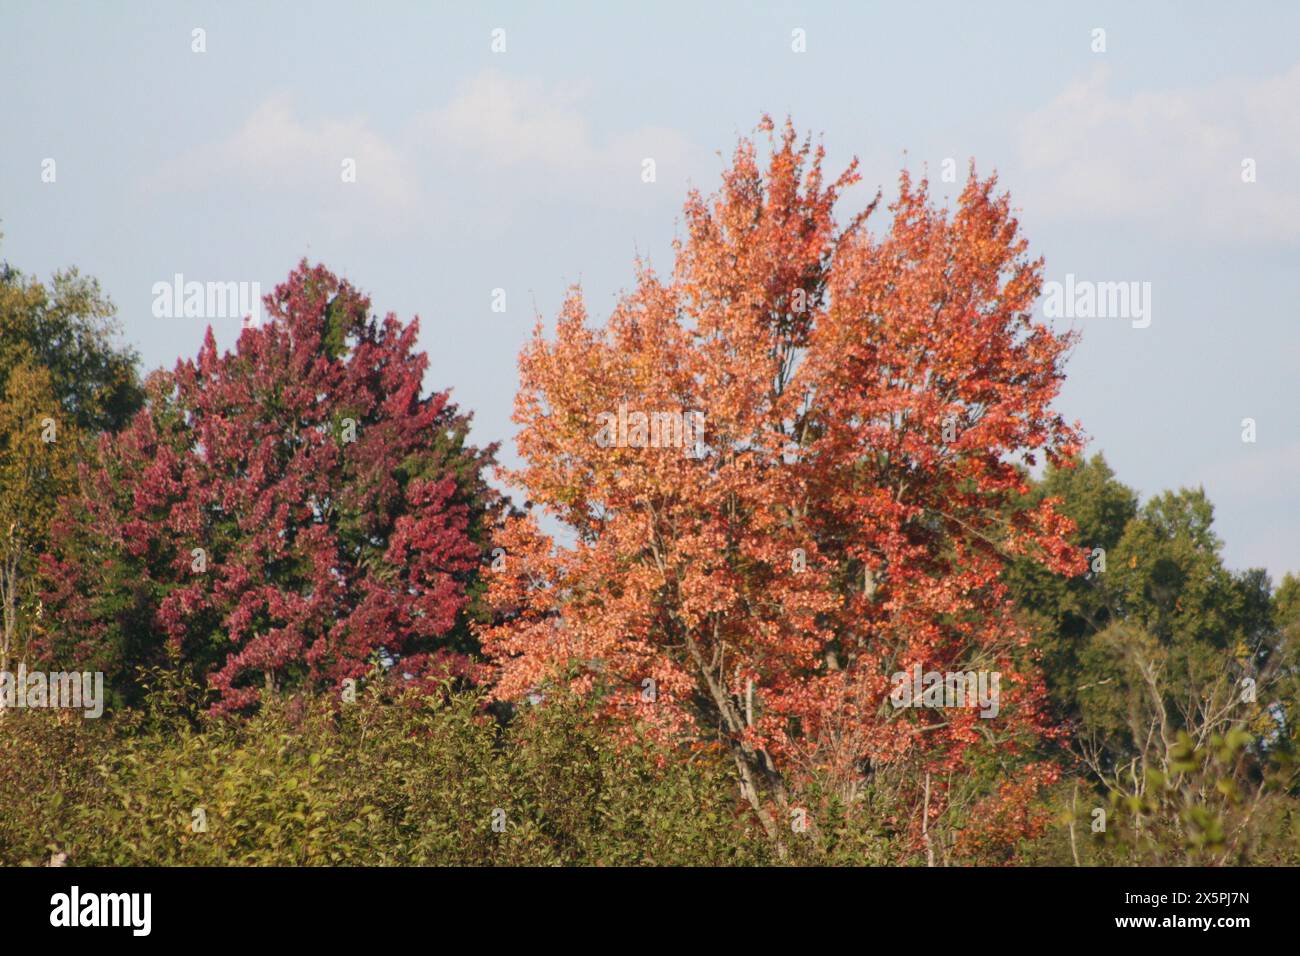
x=786 y=476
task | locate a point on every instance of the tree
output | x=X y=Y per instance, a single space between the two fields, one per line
x=283 y=515
x=1157 y=595
x=843 y=516
x=1065 y=610
x=1175 y=676
x=62 y=379
x=68 y=327
x=38 y=453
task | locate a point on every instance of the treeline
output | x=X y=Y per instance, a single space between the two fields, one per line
x=328 y=639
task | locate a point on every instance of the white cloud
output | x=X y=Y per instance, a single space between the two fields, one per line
x=519 y=125
x=509 y=121
x=275 y=149
x=1172 y=157
x=503 y=141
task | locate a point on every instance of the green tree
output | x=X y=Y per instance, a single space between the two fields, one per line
x=62 y=379
x=37 y=465
x=68 y=327
x=1066 y=611
x=1175 y=674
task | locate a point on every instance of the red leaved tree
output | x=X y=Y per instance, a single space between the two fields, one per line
x=282 y=515
x=787 y=471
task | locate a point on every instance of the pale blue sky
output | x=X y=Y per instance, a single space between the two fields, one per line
x=521 y=171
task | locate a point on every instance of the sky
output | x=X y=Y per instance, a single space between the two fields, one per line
x=502 y=147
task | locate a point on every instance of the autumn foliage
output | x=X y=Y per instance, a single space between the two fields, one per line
x=278 y=516
x=867 y=398
x=818 y=454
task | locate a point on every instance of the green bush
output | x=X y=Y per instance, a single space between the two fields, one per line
x=378 y=782
x=443 y=781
